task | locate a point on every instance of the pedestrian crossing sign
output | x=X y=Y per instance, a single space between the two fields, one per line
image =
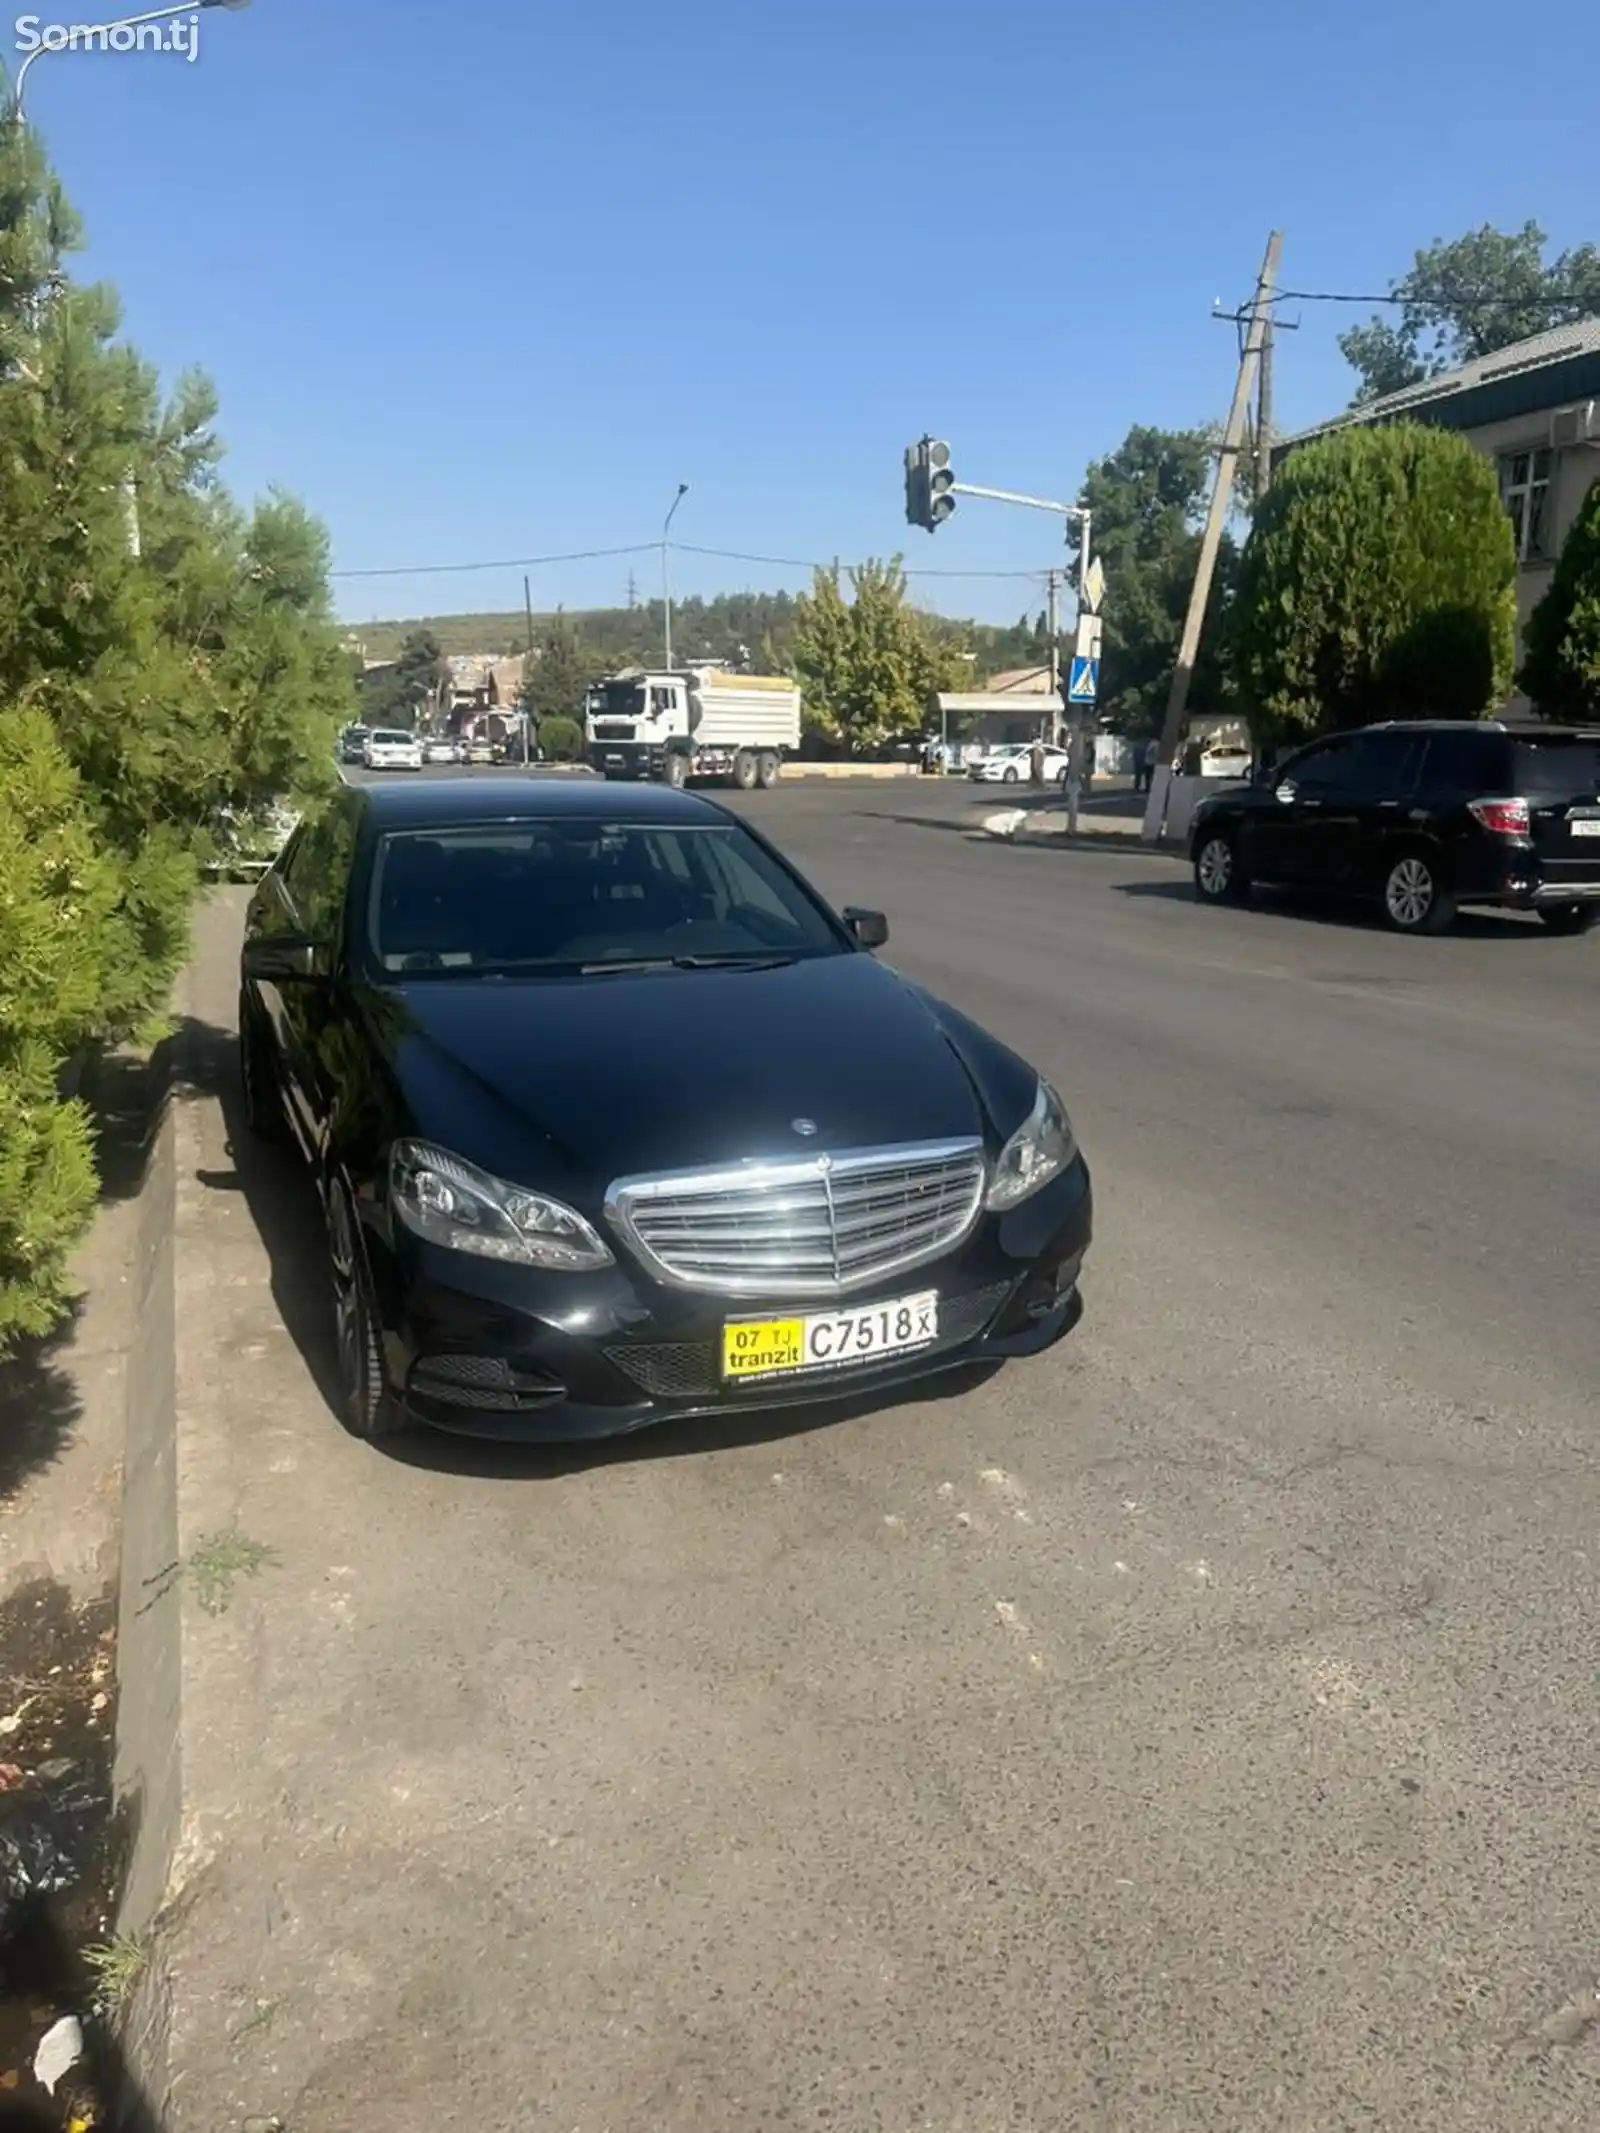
x=1083 y=684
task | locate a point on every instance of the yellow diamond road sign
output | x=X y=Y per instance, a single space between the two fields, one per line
x=1094 y=584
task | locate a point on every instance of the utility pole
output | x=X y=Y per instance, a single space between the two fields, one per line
x=1264 y=414
x=666 y=583
x=130 y=515
x=1052 y=580
x=527 y=667
x=1221 y=496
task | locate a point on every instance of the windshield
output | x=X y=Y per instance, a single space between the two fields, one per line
x=617 y=699
x=1562 y=766
x=559 y=897
x=393 y=740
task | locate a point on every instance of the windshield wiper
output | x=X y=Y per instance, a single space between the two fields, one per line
x=733 y=961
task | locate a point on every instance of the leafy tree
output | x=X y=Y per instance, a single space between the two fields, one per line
x=1467 y=298
x=869 y=666
x=559 y=676
x=1561 y=645
x=394 y=696
x=1376 y=583
x=1146 y=500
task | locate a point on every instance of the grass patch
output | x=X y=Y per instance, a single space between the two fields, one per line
x=219 y=1562
x=116 y=1966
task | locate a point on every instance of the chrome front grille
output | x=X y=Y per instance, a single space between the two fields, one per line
x=814 y=1226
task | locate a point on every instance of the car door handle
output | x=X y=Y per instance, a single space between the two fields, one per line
x=1388 y=803
x=1310 y=803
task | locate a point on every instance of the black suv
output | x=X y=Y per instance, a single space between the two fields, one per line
x=1424 y=817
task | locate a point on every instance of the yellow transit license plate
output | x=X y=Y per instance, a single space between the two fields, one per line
x=769 y=1347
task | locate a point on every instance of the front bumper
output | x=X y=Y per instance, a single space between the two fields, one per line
x=487 y=1350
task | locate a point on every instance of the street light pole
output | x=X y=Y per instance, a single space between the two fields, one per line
x=102 y=31
x=666 y=587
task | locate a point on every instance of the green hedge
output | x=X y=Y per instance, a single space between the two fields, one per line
x=149 y=688
x=561 y=739
x=1377 y=583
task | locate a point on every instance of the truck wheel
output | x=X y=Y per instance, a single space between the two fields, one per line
x=675 y=770
x=769 y=768
x=745 y=771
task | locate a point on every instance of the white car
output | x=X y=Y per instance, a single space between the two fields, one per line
x=393 y=751
x=1013 y=765
x=440 y=750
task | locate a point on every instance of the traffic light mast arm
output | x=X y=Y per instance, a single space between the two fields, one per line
x=1010 y=496
x=1038 y=503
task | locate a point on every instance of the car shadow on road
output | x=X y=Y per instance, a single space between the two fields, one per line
x=282 y=1200
x=283 y=1204
x=476 y=1458
x=1354 y=916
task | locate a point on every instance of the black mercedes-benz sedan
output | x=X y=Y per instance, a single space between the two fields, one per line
x=614 y=1120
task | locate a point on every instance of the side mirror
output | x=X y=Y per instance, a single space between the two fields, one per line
x=281 y=957
x=870 y=928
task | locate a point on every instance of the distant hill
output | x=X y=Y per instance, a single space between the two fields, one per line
x=751 y=629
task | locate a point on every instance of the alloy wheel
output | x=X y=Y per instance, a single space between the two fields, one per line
x=1214 y=867
x=1410 y=892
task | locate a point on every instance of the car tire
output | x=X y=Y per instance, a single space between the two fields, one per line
x=263 y=1113
x=1570 y=918
x=675 y=770
x=1009 y=775
x=367 y=1408
x=746 y=770
x=1219 y=878
x=1415 y=900
x=769 y=769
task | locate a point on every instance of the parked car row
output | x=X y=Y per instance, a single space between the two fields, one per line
x=391 y=748
x=1425 y=818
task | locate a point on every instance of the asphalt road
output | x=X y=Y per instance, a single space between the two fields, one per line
x=1194 y=1728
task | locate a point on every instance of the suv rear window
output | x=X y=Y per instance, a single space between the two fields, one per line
x=1562 y=767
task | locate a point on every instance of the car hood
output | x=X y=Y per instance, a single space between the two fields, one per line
x=571 y=1083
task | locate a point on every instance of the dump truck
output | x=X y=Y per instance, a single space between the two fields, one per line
x=700 y=723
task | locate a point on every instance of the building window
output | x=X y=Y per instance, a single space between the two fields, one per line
x=1525 y=492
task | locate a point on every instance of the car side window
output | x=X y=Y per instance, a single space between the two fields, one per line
x=1384 y=766
x=319 y=873
x=1319 y=770
x=1461 y=763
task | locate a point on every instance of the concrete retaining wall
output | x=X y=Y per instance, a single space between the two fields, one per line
x=148 y=1773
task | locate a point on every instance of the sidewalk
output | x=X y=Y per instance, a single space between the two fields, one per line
x=1112 y=824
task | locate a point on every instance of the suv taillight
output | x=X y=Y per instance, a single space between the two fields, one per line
x=1502 y=818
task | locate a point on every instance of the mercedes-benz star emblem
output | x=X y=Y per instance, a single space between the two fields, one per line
x=805 y=1127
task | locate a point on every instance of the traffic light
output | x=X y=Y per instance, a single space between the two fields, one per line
x=929 y=481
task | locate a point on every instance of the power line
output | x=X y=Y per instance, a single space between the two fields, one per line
x=1413 y=303
x=793 y=562
x=516 y=562
x=585 y=555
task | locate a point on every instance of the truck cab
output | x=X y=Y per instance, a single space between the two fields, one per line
x=630 y=719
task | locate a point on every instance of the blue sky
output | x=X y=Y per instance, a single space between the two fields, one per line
x=489 y=281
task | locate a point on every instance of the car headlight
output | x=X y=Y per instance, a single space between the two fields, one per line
x=1041 y=1147
x=453 y=1203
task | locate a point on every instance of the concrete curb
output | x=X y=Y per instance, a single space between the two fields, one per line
x=1009 y=827
x=147 y=1771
